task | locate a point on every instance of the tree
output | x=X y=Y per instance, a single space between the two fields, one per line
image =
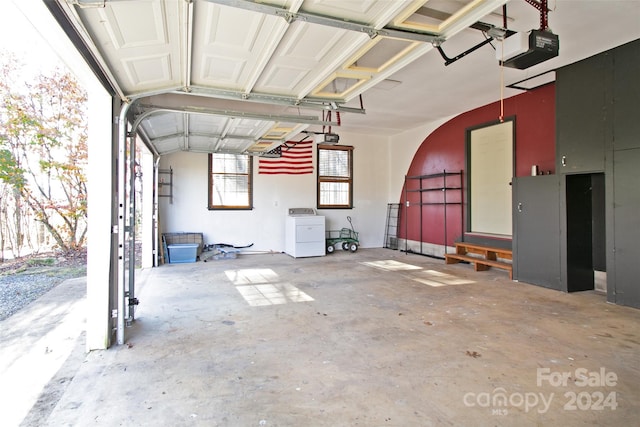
x=43 y=152
x=12 y=208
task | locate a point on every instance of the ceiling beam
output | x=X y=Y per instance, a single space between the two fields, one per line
x=272 y=99
x=187 y=53
x=343 y=24
x=202 y=135
x=167 y=137
x=222 y=136
x=185 y=121
x=269 y=99
x=148 y=110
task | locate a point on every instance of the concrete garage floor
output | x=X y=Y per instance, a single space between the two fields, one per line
x=375 y=338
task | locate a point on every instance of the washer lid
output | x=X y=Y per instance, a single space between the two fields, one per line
x=301 y=211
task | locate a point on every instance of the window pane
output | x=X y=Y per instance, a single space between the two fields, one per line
x=334 y=193
x=230 y=163
x=334 y=163
x=230 y=181
x=230 y=190
x=335 y=184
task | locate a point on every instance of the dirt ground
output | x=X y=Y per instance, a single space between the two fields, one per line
x=45 y=262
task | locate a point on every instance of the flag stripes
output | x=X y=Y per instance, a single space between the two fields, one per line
x=296 y=159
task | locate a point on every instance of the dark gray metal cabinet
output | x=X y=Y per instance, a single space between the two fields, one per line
x=626 y=218
x=623 y=284
x=626 y=97
x=582 y=90
x=598 y=130
x=536 y=230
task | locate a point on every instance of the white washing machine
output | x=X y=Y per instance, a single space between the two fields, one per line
x=304 y=233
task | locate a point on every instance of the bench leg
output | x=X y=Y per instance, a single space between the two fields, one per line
x=480 y=267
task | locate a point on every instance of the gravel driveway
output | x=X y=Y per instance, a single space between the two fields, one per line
x=18 y=290
x=24 y=281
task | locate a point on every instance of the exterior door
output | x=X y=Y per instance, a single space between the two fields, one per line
x=536 y=230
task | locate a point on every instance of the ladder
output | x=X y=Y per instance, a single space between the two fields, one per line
x=391 y=229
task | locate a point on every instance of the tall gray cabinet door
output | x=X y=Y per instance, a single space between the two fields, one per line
x=536 y=230
x=582 y=91
x=626 y=217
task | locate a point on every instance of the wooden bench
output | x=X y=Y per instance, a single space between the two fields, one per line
x=483 y=257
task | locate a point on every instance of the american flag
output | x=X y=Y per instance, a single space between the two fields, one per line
x=296 y=158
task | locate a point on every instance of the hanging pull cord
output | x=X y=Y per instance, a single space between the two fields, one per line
x=501 y=81
x=504 y=24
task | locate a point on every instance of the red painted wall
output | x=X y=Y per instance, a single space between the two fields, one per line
x=444 y=149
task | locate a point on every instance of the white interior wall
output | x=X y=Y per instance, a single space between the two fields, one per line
x=146 y=237
x=273 y=195
x=402 y=148
x=99 y=202
x=371 y=175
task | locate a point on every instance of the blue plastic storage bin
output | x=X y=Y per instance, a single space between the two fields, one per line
x=182 y=252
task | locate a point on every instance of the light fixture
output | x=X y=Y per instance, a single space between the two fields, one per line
x=497 y=33
x=331 y=138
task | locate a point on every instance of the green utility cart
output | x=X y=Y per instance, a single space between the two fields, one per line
x=347 y=237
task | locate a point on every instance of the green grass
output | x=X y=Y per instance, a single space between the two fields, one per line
x=67 y=272
x=40 y=262
x=47 y=270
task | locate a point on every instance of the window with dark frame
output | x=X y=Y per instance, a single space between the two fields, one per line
x=335 y=177
x=230 y=181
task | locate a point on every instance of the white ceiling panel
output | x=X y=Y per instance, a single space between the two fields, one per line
x=372 y=12
x=148 y=71
x=126 y=30
x=254 y=72
x=232 y=145
x=140 y=41
x=202 y=143
x=306 y=55
x=249 y=128
x=160 y=124
x=292 y=59
x=169 y=145
x=233 y=44
x=202 y=124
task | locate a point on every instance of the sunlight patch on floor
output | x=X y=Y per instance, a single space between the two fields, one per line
x=24 y=374
x=261 y=287
x=437 y=278
x=249 y=276
x=392 y=265
x=272 y=294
